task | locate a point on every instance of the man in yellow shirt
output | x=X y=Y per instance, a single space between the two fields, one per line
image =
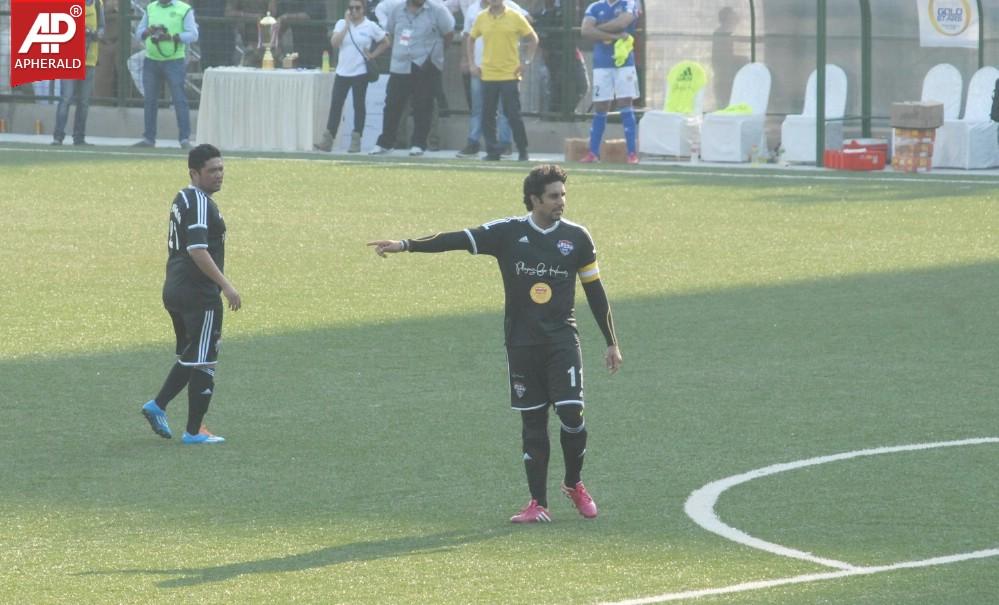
x=501 y=30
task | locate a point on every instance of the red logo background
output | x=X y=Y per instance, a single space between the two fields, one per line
x=70 y=63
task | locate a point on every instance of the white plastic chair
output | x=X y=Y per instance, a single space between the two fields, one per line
x=943 y=84
x=731 y=137
x=797 y=133
x=970 y=142
x=670 y=132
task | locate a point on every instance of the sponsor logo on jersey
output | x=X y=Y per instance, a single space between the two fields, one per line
x=541 y=270
x=541 y=293
x=565 y=247
x=524 y=240
x=519 y=388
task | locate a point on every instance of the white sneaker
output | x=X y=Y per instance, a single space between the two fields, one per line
x=378 y=150
x=415 y=151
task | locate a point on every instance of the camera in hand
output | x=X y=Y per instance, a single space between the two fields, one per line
x=159 y=33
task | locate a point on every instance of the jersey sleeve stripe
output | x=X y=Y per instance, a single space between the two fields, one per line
x=196 y=246
x=202 y=209
x=471 y=238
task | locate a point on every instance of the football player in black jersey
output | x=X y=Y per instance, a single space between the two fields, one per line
x=194 y=279
x=540 y=255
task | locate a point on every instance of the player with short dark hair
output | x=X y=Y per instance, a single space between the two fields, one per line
x=194 y=279
x=539 y=256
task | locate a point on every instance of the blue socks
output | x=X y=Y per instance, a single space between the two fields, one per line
x=597 y=132
x=628 y=121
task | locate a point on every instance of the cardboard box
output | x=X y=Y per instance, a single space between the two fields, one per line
x=916 y=115
x=914 y=149
x=926 y=134
x=613 y=151
x=575 y=149
x=911 y=164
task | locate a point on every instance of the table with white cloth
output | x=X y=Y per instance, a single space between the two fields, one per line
x=245 y=108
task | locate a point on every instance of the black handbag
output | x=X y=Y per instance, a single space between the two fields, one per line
x=369 y=64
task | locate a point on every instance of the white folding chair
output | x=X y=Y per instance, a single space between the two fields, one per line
x=970 y=142
x=797 y=132
x=669 y=132
x=727 y=137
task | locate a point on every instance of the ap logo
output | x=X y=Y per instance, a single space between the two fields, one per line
x=48 y=40
x=50 y=30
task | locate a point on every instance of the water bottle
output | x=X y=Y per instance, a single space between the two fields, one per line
x=326 y=62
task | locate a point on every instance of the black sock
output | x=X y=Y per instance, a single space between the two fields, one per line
x=536 y=452
x=573 y=440
x=199 y=395
x=175 y=382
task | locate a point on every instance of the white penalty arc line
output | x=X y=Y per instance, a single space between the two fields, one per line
x=701 y=504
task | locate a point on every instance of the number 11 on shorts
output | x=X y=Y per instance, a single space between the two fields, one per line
x=572 y=376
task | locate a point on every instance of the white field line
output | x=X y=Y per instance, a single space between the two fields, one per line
x=806 y=578
x=701 y=504
x=518 y=167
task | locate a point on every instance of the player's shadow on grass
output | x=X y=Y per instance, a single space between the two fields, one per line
x=325 y=557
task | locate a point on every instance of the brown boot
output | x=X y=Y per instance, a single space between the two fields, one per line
x=327 y=143
x=355 y=143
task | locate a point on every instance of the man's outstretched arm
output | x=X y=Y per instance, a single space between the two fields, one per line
x=440 y=242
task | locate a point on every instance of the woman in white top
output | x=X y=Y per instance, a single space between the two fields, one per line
x=354 y=35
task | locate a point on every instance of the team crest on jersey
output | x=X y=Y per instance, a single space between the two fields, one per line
x=519 y=389
x=565 y=247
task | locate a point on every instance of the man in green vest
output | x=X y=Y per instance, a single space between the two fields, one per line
x=78 y=91
x=166 y=29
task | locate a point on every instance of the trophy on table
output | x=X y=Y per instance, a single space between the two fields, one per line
x=266 y=35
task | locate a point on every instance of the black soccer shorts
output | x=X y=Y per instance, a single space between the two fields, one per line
x=543 y=375
x=199 y=335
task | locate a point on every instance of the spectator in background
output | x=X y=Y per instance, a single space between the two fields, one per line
x=308 y=32
x=353 y=35
x=78 y=91
x=501 y=30
x=552 y=34
x=106 y=71
x=420 y=30
x=217 y=40
x=724 y=61
x=166 y=28
x=381 y=11
x=611 y=26
x=249 y=13
x=504 y=136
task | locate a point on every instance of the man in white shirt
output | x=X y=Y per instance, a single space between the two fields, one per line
x=420 y=31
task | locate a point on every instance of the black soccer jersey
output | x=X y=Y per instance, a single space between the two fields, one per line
x=539 y=268
x=195 y=222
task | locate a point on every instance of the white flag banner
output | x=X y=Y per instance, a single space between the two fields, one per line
x=952 y=23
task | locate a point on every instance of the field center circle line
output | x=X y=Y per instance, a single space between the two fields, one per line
x=700 y=508
x=700 y=505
